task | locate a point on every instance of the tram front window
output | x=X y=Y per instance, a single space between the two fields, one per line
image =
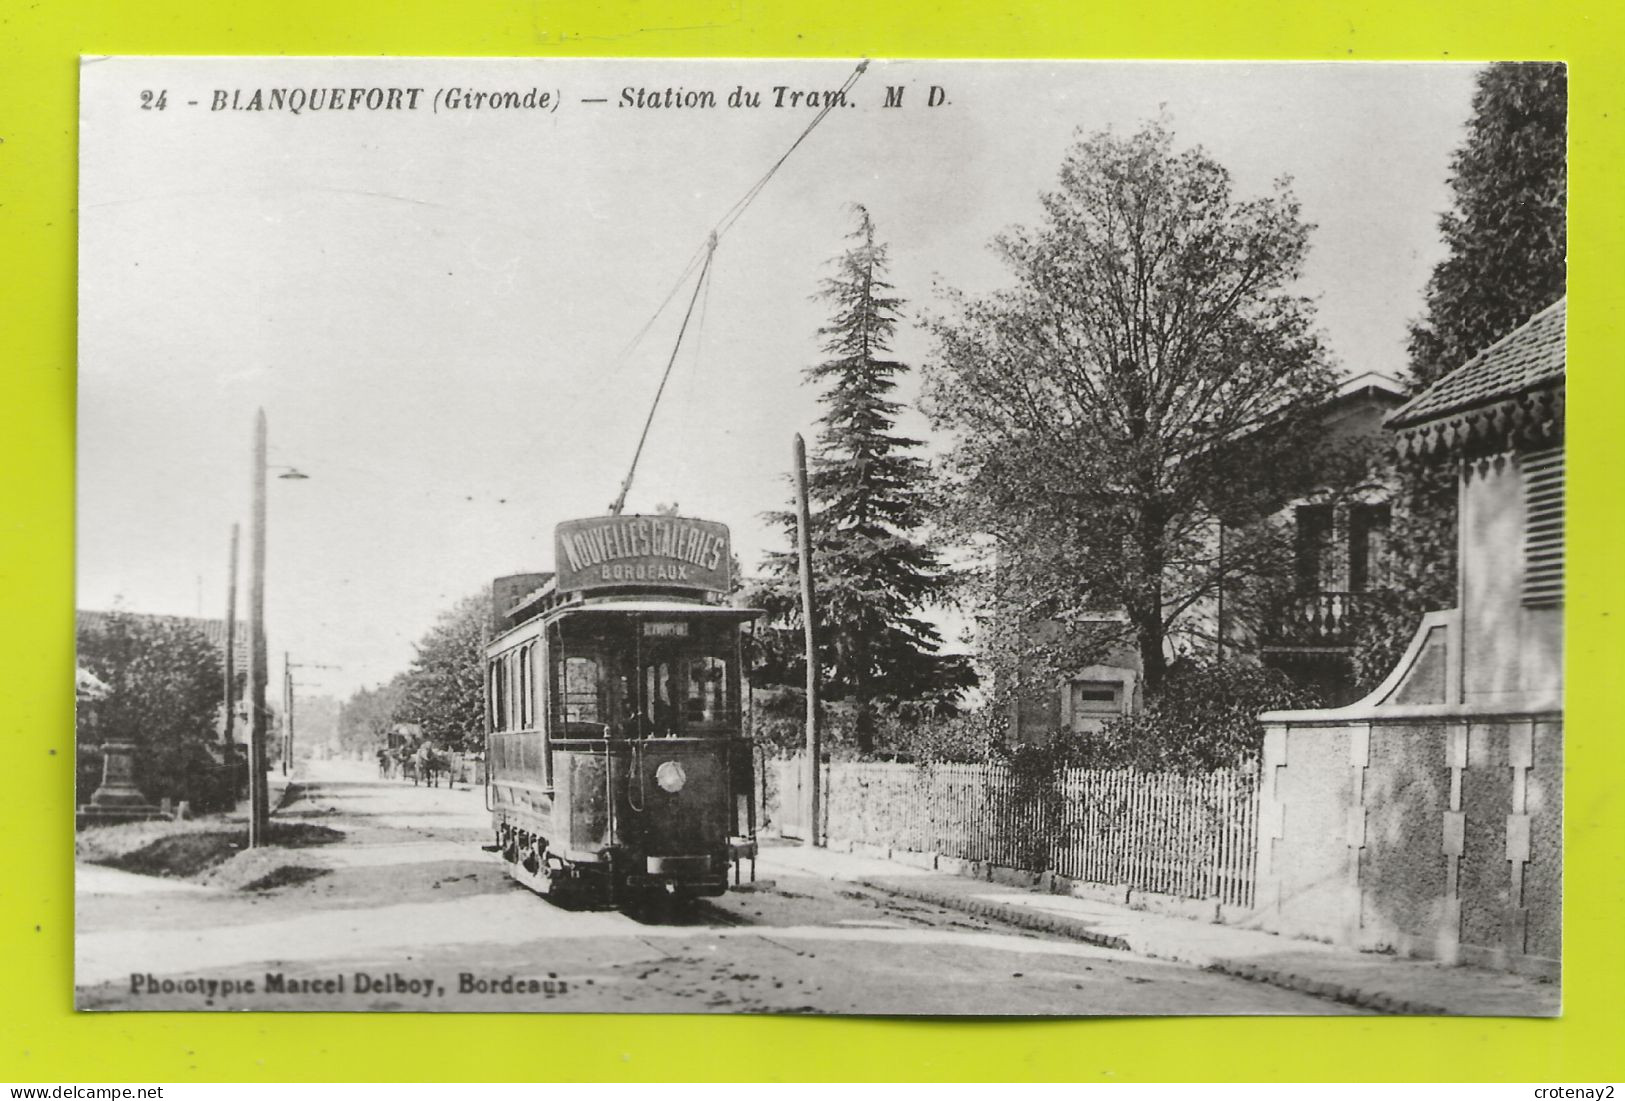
x=593 y=692
x=688 y=679
x=640 y=678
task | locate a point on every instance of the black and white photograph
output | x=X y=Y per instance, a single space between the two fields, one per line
x=931 y=538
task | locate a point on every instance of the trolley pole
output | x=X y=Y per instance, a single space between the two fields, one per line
x=259 y=795
x=226 y=729
x=808 y=605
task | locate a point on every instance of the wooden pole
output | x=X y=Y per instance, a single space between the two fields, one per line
x=259 y=795
x=1219 y=626
x=287 y=710
x=226 y=729
x=809 y=626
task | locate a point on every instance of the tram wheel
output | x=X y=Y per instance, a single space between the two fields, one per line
x=530 y=856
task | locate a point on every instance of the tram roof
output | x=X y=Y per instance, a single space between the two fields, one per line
x=661 y=607
x=625 y=607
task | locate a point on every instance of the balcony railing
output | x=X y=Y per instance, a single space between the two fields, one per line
x=1316 y=619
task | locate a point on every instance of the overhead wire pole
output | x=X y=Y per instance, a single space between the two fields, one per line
x=230 y=687
x=809 y=630
x=259 y=795
x=287 y=711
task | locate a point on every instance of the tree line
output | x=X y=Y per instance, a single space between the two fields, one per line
x=1150 y=375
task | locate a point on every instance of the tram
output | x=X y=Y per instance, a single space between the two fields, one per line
x=618 y=764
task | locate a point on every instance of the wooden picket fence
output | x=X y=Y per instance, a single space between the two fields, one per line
x=1192 y=836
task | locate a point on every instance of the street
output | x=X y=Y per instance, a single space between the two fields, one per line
x=405 y=911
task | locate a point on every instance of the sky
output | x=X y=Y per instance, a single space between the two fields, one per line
x=440 y=309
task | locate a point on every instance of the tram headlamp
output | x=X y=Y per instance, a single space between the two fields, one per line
x=670 y=777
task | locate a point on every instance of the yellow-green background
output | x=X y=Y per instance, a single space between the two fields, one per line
x=42 y=1040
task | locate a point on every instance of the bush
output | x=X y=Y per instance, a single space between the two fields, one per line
x=780 y=720
x=925 y=737
x=163 y=679
x=905 y=730
x=1206 y=717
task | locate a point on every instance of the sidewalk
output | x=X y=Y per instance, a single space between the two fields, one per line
x=1387 y=984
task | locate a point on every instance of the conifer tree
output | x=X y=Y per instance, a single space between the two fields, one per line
x=1508 y=240
x=1508 y=229
x=874 y=570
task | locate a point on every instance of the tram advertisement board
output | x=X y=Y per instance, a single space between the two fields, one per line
x=658 y=552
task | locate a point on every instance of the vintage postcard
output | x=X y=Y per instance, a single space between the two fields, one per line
x=841 y=536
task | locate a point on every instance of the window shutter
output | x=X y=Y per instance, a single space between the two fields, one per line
x=1543 y=528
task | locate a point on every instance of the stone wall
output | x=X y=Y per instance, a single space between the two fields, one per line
x=1424 y=834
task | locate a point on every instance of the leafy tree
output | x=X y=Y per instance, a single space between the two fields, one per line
x=444 y=690
x=1150 y=372
x=163 y=678
x=1507 y=235
x=369 y=714
x=866 y=490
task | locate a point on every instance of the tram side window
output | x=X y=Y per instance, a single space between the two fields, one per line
x=499 y=710
x=524 y=688
x=510 y=659
x=535 y=672
x=507 y=694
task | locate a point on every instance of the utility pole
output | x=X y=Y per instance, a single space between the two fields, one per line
x=1218 y=628
x=259 y=795
x=287 y=711
x=808 y=604
x=230 y=695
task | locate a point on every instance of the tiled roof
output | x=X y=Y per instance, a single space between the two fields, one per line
x=1510 y=392
x=212 y=629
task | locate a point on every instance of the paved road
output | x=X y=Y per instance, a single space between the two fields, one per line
x=408 y=913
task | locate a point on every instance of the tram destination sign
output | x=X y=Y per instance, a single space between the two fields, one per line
x=652 y=552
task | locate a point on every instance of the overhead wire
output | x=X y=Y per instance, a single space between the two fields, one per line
x=708 y=250
x=677 y=346
x=682 y=278
x=737 y=210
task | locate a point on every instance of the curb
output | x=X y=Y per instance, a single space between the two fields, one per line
x=1240 y=969
x=1009 y=915
x=1322 y=988
x=290 y=792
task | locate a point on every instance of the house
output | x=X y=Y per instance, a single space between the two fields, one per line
x=1426 y=818
x=1339 y=554
x=1501 y=418
x=1339 y=542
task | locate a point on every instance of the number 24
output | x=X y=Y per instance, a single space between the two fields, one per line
x=155 y=101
